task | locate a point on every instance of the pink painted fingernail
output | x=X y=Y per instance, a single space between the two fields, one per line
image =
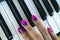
x=20 y=30
x=23 y=22
x=34 y=18
x=50 y=29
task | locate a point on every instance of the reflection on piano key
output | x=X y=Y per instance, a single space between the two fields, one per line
x=5 y=28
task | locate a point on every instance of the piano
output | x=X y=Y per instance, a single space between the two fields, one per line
x=45 y=10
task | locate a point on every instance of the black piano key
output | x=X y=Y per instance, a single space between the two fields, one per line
x=5 y=28
x=15 y=12
x=1 y=0
x=58 y=34
x=48 y=7
x=55 y=5
x=40 y=9
x=26 y=11
x=0 y=38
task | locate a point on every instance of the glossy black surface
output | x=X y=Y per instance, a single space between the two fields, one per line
x=1 y=1
x=58 y=34
x=55 y=5
x=0 y=38
x=48 y=7
x=40 y=9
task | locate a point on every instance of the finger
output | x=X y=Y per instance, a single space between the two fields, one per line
x=41 y=28
x=29 y=29
x=23 y=33
x=54 y=37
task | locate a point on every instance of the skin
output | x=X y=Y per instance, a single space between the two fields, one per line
x=25 y=36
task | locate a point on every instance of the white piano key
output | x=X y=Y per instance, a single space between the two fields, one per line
x=56 y=16
x=59 y=13
x=53 y=24
x=57 y=19
x=3 y=12
x=12 y=19
x=2 y=35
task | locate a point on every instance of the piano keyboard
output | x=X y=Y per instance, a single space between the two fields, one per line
x=12 y=11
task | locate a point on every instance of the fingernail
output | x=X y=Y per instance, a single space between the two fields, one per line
x=50 y=29
x=20 y=30
x=34 y=18
x=23 y=22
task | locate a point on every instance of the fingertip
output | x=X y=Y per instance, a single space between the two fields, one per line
x=20 y=30
x=34 y=18
x=23 y=22
x=50 y=29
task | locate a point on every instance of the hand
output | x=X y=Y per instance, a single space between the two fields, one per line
x=31 y=34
